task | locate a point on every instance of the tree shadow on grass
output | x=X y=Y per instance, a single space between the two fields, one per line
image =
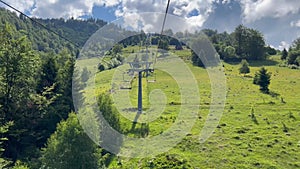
x=271 y=93
x=232 y=63
x=256 y=63
x=263 y=63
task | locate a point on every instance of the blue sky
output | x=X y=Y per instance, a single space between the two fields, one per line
x=278 y=20
x=104 y=13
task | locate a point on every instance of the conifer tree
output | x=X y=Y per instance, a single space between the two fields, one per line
x=263 y=78
x=244 y=67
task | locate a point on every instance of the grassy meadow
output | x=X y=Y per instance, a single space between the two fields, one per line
x=256 y=130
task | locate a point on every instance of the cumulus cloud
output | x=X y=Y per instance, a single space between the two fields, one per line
x=194 y=11
x=257 y=9
x=283 y=45
x=59 y=8
x=295 y=23
x=68 y=8
x=223 y=1
x=20 y=5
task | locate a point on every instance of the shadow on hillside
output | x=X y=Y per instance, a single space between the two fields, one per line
x=263 y=63
x=273 y=94
x=233 y=63
x=258 y=63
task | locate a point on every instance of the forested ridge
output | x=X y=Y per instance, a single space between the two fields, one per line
x=77 y=31
x=38 y=127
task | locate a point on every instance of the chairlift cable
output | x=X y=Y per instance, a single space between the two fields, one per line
x=165 y=18
x=162 y=30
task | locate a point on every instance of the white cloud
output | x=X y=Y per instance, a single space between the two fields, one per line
x=283 y=44
x=256 y=9
x=131 y=20
x=225 y=1
x=59 y=8
x=109 y=2
x=20 y=5
x=129 y=9
x=196 y=20
x=183 y=8
x=295 y=23
x=67 y=8
x=177 y=11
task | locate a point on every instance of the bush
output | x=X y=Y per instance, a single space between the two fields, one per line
x=101 y=67
x=229 y=53
x=293 y=66
x=244 y=67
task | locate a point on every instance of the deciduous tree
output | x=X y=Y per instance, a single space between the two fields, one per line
x=249 y=43
x=229 y=53
x=70 y=147
x=18 y=65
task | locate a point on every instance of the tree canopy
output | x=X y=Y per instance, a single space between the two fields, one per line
x=249 y=43
x=70 y=147
x=293 y=56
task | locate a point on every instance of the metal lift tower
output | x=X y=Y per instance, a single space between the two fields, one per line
x=140 y=67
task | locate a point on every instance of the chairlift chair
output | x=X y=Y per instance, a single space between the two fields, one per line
x=151 y=78
x=126 y=84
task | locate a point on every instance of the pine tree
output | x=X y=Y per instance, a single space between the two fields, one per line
x=244 y=67
x=64 y=103
x=262 y=78
x=284 y=54
x=48 y=74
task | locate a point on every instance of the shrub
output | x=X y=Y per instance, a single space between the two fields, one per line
x=244 y=67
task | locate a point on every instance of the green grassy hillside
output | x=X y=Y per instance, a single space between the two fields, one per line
x=256 y=130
